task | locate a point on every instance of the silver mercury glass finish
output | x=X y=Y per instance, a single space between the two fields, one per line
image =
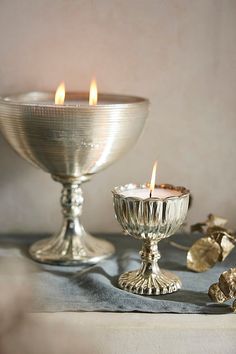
x=72 y=142
x=150 y=220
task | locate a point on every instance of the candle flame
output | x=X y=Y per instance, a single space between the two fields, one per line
x=93 y=93
x=153 y=178
x=60 y=94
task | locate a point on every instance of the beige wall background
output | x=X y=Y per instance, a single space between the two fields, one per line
x=180 y=54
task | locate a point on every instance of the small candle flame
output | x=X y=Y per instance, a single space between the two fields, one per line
x=93 y=93
x=153 y=179
x=60 y=94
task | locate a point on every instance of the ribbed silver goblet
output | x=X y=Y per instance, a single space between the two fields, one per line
x=72 y=142
x=151 y=220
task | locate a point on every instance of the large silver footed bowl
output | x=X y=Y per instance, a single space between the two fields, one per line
x=72 y=142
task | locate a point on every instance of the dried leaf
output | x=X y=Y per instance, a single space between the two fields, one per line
x=203 y=254
x=226 y=246
x=214 y=220
x=215 y=246
x=211 y=222
x=223 y=238
x=199 y=227
x=227 y=282
x=216 y=230
x=216 y=294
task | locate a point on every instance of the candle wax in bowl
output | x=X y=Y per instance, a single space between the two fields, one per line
x=144 y=193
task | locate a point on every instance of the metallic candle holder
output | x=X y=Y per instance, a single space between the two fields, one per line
x=72 y=142
x=150 y=220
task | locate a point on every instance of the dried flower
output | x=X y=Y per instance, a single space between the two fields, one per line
x=225 y=289
x=216 y=294
x=212 y=220
x=213 y=247
x=203 y=255
x=227 y=282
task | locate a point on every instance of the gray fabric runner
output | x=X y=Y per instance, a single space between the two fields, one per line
x=94 y=288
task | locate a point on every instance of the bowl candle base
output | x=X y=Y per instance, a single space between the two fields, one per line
x=72 y=142
x=149 y=279
x=72 y=245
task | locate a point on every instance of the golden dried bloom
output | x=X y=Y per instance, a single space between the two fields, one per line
x=203 y=254
x=227 y=282
x=212 y=221
x=214 y=247
x=216 y=294
x=226 y=246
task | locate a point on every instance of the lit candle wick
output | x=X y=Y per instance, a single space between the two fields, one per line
x=153 y=179
x=93 y=93
x=60 y=94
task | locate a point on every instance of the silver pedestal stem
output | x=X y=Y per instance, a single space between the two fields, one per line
x=72 y=245
x=72 y=230
x=150 y=256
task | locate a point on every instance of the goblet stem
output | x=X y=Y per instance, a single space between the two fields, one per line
x=149 y=279
x=72 y=245
x=149 y=256
x=71 y=200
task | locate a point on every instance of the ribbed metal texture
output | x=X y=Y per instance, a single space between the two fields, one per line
x=71 y=141
x=152 y=217
x=151 y=220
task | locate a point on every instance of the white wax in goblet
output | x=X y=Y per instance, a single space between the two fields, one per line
x=144 y=193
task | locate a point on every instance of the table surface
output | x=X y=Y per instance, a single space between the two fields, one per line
x=94 y=288
x=106 y=332
x=116 y=333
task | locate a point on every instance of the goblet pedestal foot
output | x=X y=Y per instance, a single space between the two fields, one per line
x=153 y=284
x=72 y=245
x=71 y=250
x=149 y=279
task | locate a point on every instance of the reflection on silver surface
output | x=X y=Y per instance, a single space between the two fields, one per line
x=151 y=220
x=71 y=142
